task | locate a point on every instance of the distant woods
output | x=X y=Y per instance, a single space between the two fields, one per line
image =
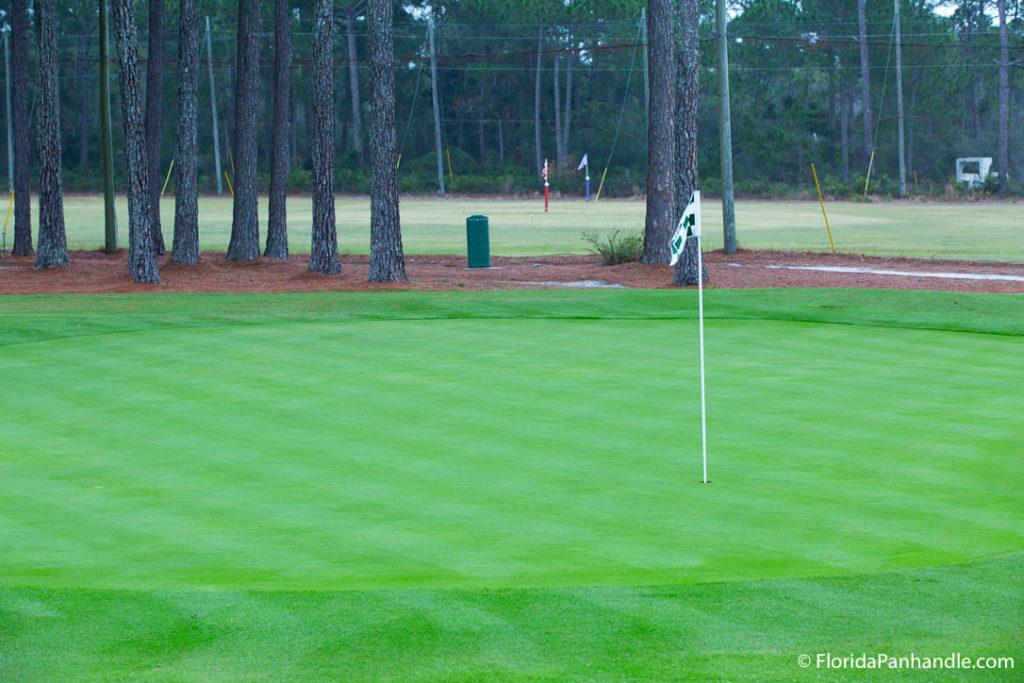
x=517 y=83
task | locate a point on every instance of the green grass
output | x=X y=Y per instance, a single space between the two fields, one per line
x=501 y=485
x=987 y=231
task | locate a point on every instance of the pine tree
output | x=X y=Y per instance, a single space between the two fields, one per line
x=186 y=193
x=19 y=93
x=245 y=224
x=141 y=254
x=685 y=172
x=387 y=261
x=52 y=250
x=154 y=115
x=660 y=133
x=277 y=223
x=323 y=256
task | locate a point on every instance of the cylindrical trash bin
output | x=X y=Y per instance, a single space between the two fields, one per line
x=478 y=242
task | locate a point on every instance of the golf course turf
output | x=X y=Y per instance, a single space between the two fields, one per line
x=490 y=485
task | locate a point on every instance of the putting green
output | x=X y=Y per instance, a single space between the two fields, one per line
x=504 y=453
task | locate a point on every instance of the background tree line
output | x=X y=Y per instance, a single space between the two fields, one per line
x=521 y=82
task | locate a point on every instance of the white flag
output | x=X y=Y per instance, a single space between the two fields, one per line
x=583 y=163
x=689 y=226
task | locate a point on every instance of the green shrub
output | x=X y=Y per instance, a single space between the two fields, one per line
x=616 y=246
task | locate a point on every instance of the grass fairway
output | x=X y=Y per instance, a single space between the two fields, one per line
x=504 y=485
x=989 y=231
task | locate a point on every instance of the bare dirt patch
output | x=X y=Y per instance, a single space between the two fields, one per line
x=97 y=272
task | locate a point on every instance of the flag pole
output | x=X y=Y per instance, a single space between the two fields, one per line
x=703 y=394
x=689 y=226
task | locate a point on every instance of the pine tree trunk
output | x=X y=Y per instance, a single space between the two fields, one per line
x=52 y=249
x=277 y=224
x=141 y=253
x=865 y=81
x=22 y=169
x=323 y=255
x=387 y=261
x=353 y=80
x=1003 y=144
x=245 y=226
x=154 y=116
x=186 y=194
x=660 y=133
x=685 y=176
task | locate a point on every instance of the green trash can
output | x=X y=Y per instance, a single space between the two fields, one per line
x=478 y=243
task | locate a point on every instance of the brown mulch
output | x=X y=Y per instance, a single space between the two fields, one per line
x=96 y=272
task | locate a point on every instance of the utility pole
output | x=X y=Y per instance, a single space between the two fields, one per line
x=106 y=142
x=437 y=110
x=536 y=100
x=213 y=104
x=899 y=101
x=647 y=75
x=725 y=130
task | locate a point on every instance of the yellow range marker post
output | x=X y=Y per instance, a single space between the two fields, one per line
x=9 y=212
x=5 y=222
x=167 y=179
x=822 y=201
x=867 y=181
x=601 y=184
x=229 y=183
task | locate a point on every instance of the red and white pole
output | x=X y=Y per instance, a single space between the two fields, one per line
x=547 y=188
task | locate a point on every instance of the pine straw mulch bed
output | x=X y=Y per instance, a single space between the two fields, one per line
x=97 y=272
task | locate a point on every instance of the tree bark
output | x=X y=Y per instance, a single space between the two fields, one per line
x=685 y=176
x=245 y=225
x=353 y=80
x=155 y=116
x=660 y=133
x=19 y=93
x=277 y=224
x=52 y=250
x=323 y=255
x=141 y=252
x=387 y=261
x=186 y=194
x=865 y=80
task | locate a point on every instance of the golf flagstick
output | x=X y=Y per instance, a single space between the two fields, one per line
x=700 y=324
x=689 y=226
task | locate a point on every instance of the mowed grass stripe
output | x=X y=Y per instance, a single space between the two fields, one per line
x=977 y=230
x=731 y=631
x=462 y=453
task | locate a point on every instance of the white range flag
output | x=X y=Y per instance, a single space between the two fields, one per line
x=689 y=226
x=583 y=163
